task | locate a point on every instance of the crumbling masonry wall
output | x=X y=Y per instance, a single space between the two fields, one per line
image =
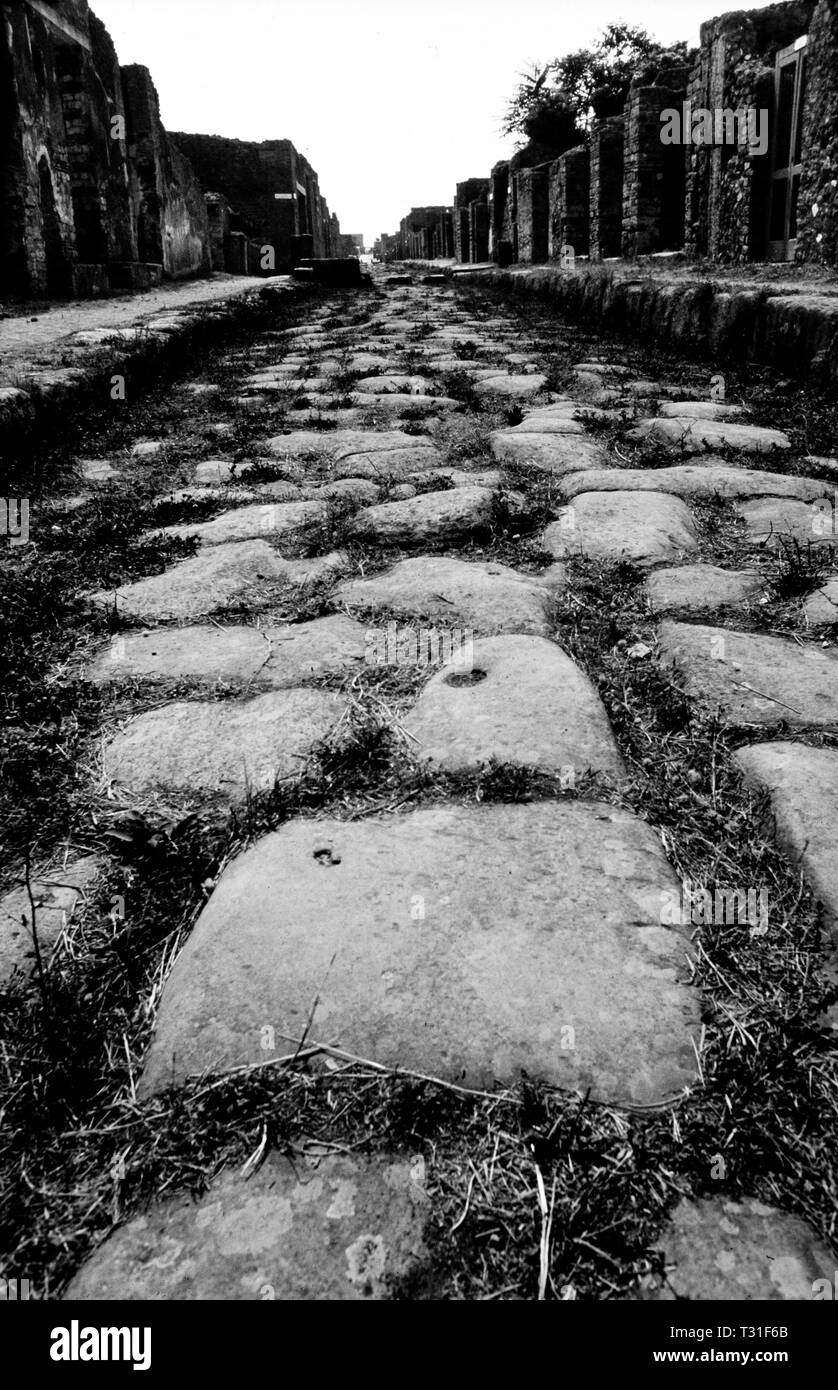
x=76 y=211
x=653 y=173
x=569 y=194
x=606 y=188
x=817 y=215
x=727 y=188
x=272 y=190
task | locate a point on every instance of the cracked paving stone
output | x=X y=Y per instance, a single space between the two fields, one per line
x=224 y=576
x=453 y=514
x=645 y=528
x=753 y=678
x=220 y=747
x=518 y=699
x=465 y=942
x=719 y=1249
x=303 y=1228
x=486 y=596
x=694 y=436
x=276 y=656
x=700 y=588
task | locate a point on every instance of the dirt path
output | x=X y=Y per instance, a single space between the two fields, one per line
x=453 y=744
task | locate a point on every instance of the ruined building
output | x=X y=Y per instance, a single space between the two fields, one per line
x=272 y=196
x=731 y=158
x=98 y=197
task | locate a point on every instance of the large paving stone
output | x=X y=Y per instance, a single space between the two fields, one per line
x=221 y=577
x=463 y=942
x=302 y=1228
x=717 y=1249
x=706 y=478
x=220 y=747
x=754 y=679
x=700 y=588
x=771 y=520
x=273 y=656
x=512 y=385
x=696 y=435
x=645 y=528
x=485 y=596
x=558 y=454
x=450 y=515
x=274 y=520
x=518 y=699
x=387 y=383
x=57 y=892
x=803 y=786
x=820 y=609
x=701 y=410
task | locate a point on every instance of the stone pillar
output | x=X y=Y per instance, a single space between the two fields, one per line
x=653 y=174
x=498 y=194
x=478 y=225
x=533 y=203
x=569 y=194
x=462 y=241
x=606 y=187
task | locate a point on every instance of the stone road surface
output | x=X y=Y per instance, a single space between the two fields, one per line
x=463 y=942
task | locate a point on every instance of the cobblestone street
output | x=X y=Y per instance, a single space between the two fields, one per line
x=441 y=719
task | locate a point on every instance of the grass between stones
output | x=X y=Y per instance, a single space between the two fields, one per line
x=534 y=1192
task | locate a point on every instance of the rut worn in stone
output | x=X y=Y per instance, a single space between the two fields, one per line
x=462 y=942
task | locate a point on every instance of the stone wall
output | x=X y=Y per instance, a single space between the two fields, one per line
x=426 y=234
x=653 y=173
x=471 y=227
x=569 y=198
x=606 y=187
x=169 y=207
x=726 y=187
x=498 y=197
x=272 y=190
x=817 y=216
x=77 y=210
x=532 y=202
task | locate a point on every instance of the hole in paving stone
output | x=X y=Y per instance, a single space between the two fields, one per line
x=466 y=678
x=326 y=855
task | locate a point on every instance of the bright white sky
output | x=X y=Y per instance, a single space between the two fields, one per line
x=392 y=101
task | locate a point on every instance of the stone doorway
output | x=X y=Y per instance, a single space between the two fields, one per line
x=786 y=164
